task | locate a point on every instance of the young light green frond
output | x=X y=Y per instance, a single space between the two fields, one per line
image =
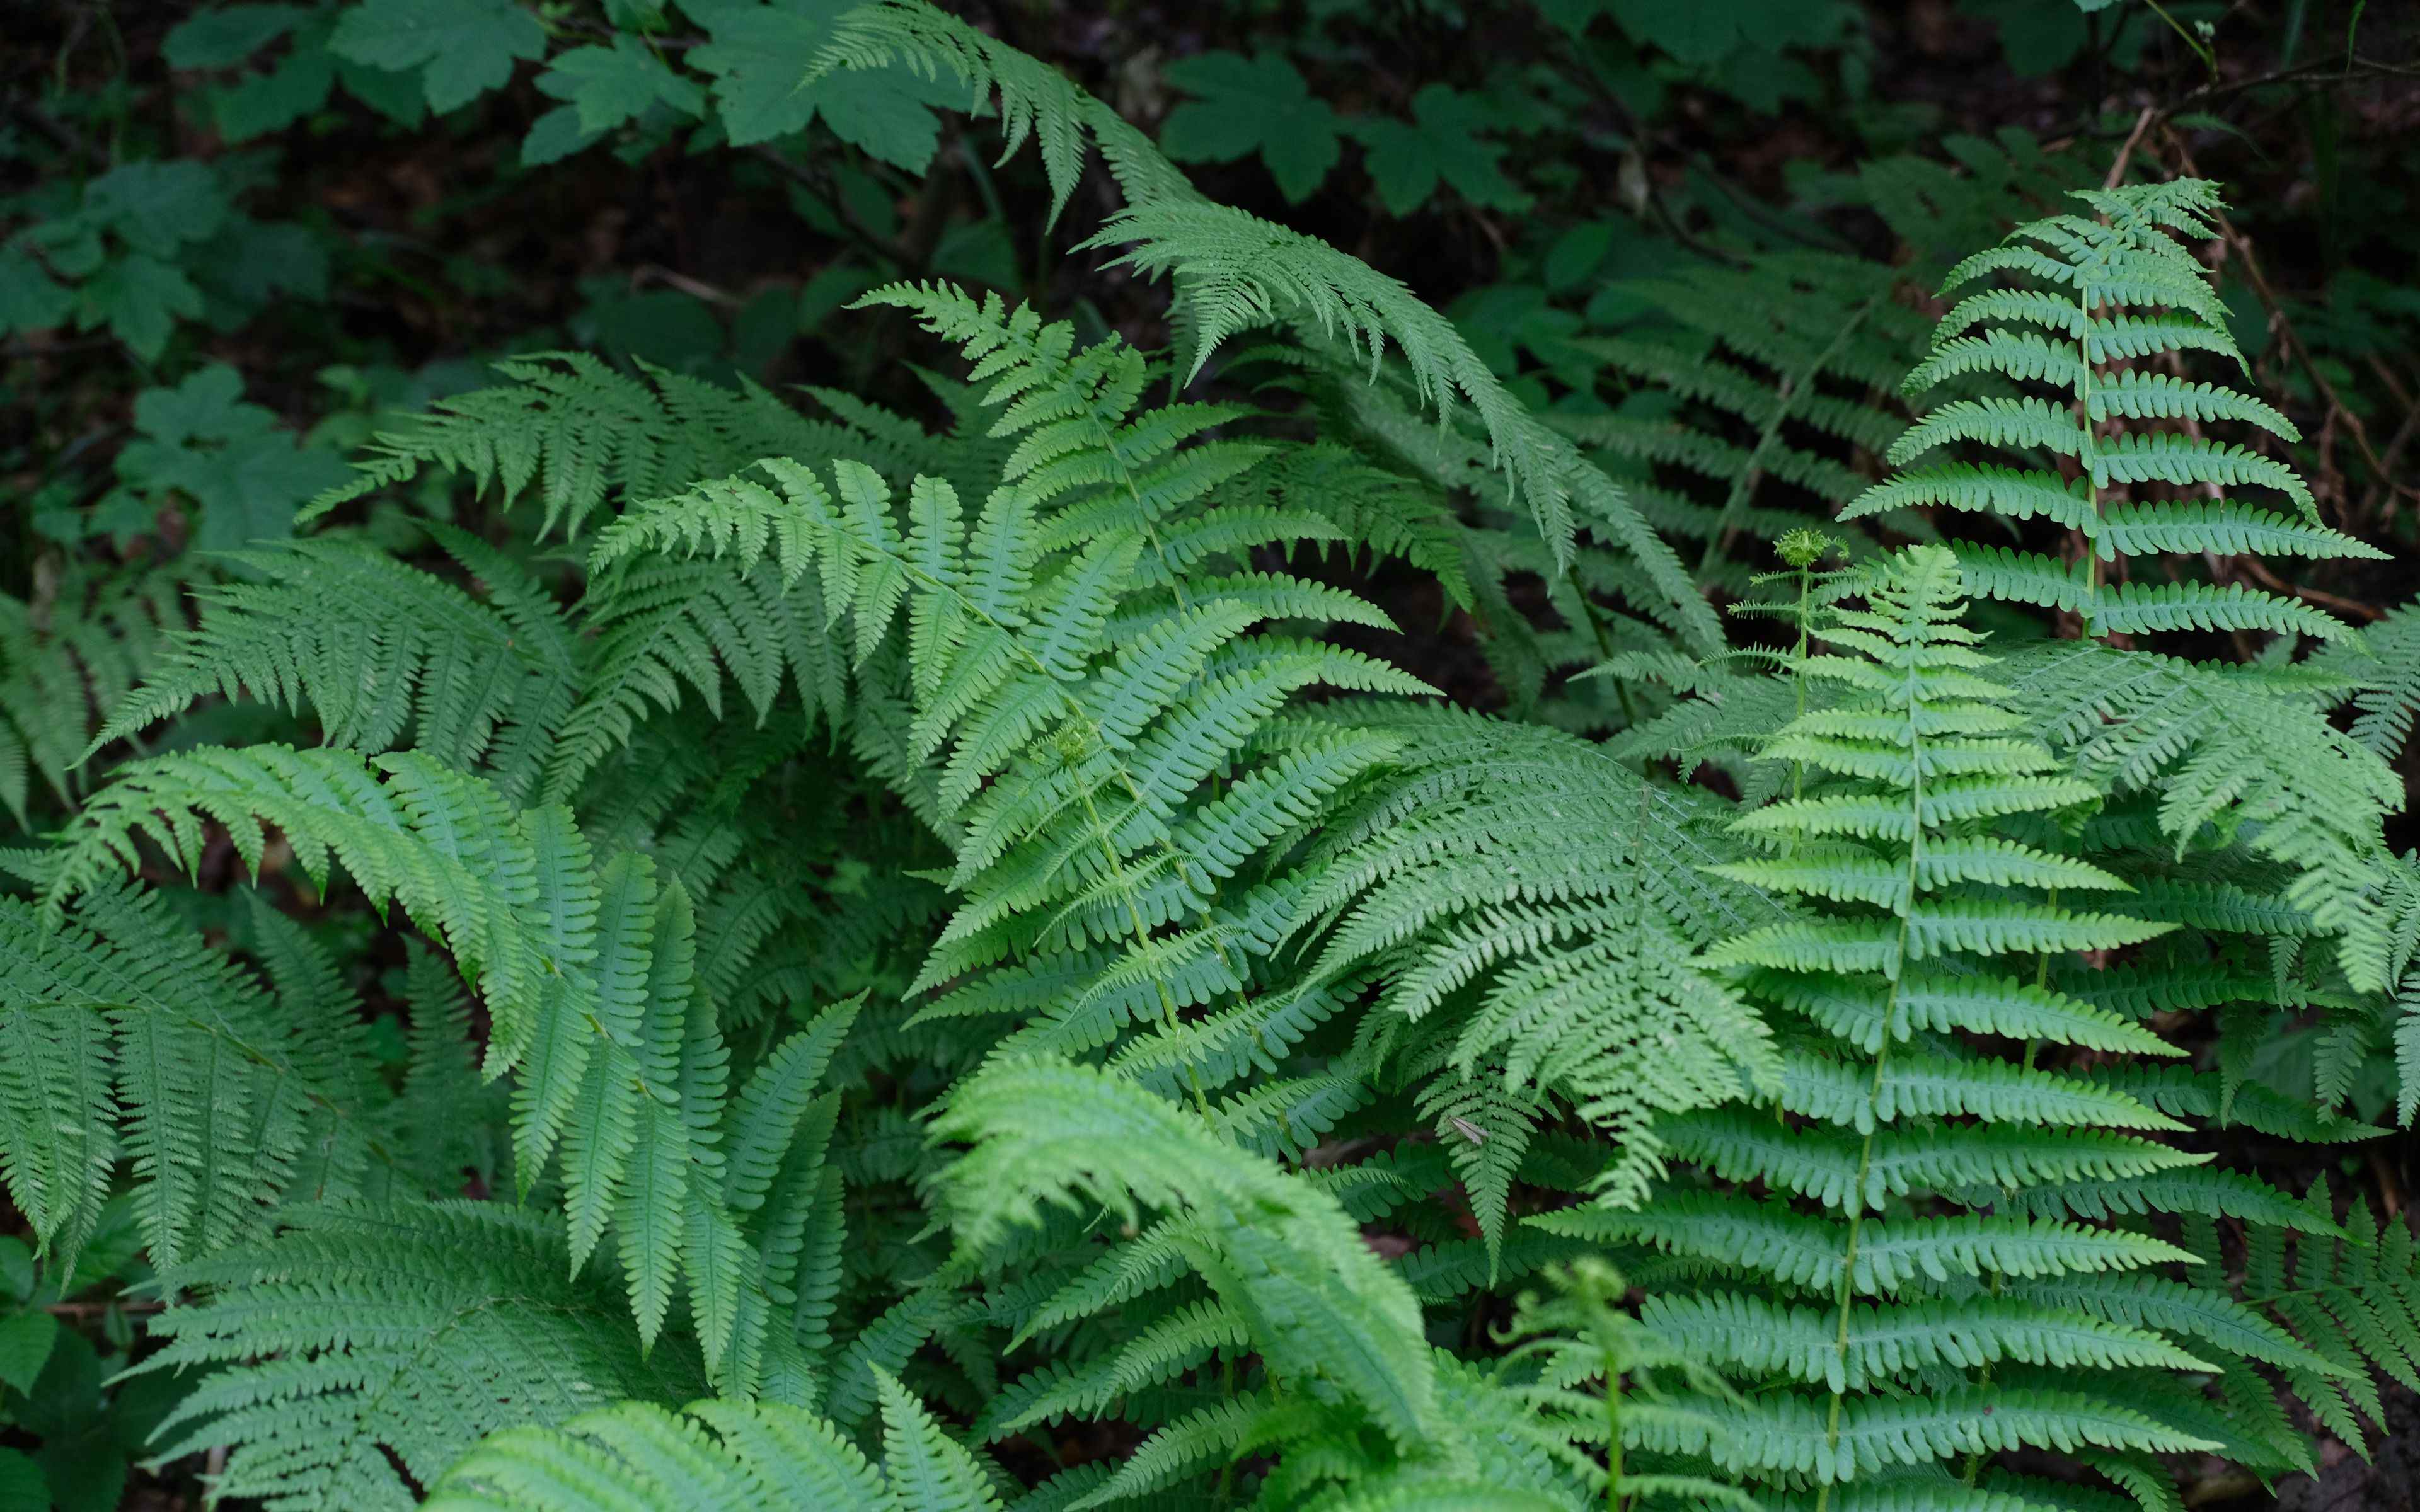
x=925 y=1467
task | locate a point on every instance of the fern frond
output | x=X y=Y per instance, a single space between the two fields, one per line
x=67 y=659
x=367 y=1343
x=375 y=647
x=1319 y=1306
x=2073 y=336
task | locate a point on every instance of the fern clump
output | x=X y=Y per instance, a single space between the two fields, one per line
x=673 y=944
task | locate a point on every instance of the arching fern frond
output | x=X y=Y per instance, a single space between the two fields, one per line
x=577 y=432
x=1322 y=1311
x=126 y=1037
x=1233 y=269
x=588 y=975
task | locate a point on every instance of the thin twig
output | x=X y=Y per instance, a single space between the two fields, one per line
x=2126 y=153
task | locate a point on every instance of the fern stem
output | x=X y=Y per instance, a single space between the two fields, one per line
x=1143 y=938
x=1882 y=1064
x=2087 y=454
x=1612 y=1429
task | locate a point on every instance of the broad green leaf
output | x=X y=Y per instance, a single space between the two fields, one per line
x=608 y=85
x=25 y=1340
x=462 y=48
x=30 y=299
x=1252 y=106
x=760 y=56
x=228 y=35
x=1440 y=142
x=139 y=298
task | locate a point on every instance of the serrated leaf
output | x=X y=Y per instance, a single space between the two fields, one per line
x=1441 y=142
x=1249 y=106
x=460 y=48
x=608 y=85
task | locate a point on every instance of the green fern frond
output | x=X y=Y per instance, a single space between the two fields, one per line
x=126 y=1037
x=1321 y=1308
x=576 y=433
x=2389 y=699
x=369 y=1343
x=2071 y=337
x=67 y=659
x=1859 y=1268
x=376 y=647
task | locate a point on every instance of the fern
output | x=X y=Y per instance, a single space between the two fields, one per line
x=2080 y=313
x=1914 y=906
x=589 y=977
x=719 y=1454
x=374 y=647
x=2390 y=699
x=1337 y=1334
x=129 y=1038
x=577 y=433
x=2211 y=754
x=1545 y=898
x=1782 y=356
x=1233 y=269
x=407 y=1332
x=74 y=650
